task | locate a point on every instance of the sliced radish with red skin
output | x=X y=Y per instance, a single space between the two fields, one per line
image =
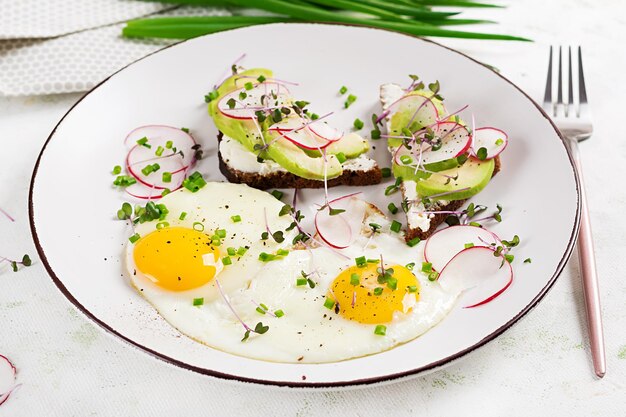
x=492 y=139
x=443 y=245
x=143 y=192
x=419 y=108
x=340 y=230
x=325 y=131
x=296 y=131
x=478 y=274
x=159 y=135
x=173 y=164
x=247 y=107
x=7 y=378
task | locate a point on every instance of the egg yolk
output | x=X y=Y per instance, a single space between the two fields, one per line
x=172 y=258
x=372 y=300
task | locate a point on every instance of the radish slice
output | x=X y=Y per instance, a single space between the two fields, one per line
x=443 y=245
x=264 y=96
x=137 y=159
x=492 y=139
x=456 y=140
x=144 y=192
x=418 y=109
x=477 y=272
x=340 y=230
x=296 y=131
x=160 y=134
x=7 y=378
x=325 y=131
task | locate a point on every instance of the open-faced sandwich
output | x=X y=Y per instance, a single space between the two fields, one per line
x=268 y=139
x=437 y=159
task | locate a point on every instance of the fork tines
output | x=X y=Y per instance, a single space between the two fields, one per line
x=559 y=108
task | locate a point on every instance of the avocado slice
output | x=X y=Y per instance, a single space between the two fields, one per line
x=351 y=146
x=283 y=152
x=471 y=178
x=409 y=173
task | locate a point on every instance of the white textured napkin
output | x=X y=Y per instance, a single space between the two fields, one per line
x=74 y=62
x=45 y=19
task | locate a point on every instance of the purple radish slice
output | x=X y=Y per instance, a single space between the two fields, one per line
x=339 y=230
x=412 y=108
x=478 y=274
x=325 y=131
x=296 y=131
x=172 y=163
x=7 y=378
x=260 y=97
x=492 y=139
x=144 y=192
x=455 y=141
x=443 y=245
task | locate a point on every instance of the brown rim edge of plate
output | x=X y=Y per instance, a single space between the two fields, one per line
x=290 y=384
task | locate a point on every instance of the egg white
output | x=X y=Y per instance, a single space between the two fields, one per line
x=308 y=332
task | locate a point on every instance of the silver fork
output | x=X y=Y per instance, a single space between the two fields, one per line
x=573 y=119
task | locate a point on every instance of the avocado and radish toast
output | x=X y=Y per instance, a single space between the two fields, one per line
x=268 y=139
x=438 y=161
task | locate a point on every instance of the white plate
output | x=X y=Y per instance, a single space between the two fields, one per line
x=73 y=206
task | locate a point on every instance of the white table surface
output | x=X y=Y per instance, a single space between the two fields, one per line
x=70 y=367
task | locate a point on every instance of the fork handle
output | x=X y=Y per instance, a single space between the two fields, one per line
x=589 y=273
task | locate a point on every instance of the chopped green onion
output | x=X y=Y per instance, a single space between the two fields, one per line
x=182 y=215
x=481 y=153
x=351 y=99
x=509 y=258
x=167 y=177
x=236 y=218
x=124 y=181
x=314 y=116
x=378 y=290
x=358 y=124
x=279 y=313
x=117 y=169
x=341 y=157
x=380 y=330
x=227 y=261
x=198 y=301
x=194 y=182
x=134 y=238
x=355 y=279
x=159 y=150
x=261 y=78
x=392 y=208
x=427 y=267
x=329 y=303
x=361 y=261
x=221 y=233
x=241 y=251
x=406 y=159
x=231 y=251
x=260 y=310
x=410 y=266
x=266 y=257
x=469 y=245
x=499 y=142
x=162 y=225
x=343 y=90
x=433 y=276
x=412 y=288
x=165 y=192
x=386 y=172
x=169 y=144
x=373 y=261
x=197 y=226
x=395 y=226
x=143 y=142
x=301 y=281
x=375 y=134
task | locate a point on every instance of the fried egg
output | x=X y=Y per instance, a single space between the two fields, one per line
x=313 y=303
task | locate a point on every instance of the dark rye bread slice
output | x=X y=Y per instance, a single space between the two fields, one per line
x=284 y=179
x=437 y=219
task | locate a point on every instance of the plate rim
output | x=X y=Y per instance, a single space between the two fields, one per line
x=292 y=384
